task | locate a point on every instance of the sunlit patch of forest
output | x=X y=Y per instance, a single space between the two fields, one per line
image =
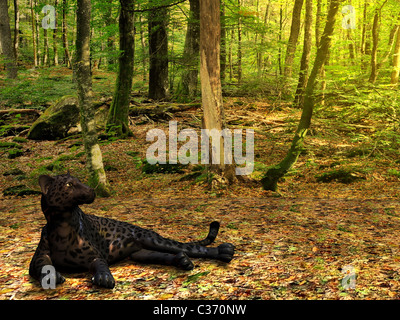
x=317 y=81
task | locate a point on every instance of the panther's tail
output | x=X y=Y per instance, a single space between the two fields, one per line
x=212 y=234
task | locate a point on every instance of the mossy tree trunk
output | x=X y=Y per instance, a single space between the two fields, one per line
x=211 y=91
x=5 y=38
x=270 y=180
x=94 y=161
x=117 y=121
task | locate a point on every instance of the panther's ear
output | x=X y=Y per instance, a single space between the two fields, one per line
x=45 y=182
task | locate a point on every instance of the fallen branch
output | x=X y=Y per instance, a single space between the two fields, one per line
x=161 y=111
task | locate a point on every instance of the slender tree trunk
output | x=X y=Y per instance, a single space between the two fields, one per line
x=396 y=60
x=45 y=47
x=6 y=41
x=303 y=74
x=375 y=36
x=67 y=56
x=230 y=55
x=260 y=60
x=280 y=40
x=94 y=162
x=110 y=39
x=158 y=50
x=270 y=180
x=293 y=38
x=211 y=91
x=33 y=25
x=191 y=55
x=38 y=27
x=16 y=30
x=55 y=50
x=223 y=42
x=144 y=49
x=239 y=53
x=119 y=111
x=375 y=41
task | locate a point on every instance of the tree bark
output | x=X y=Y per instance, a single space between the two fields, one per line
x=305 y=58
x=67 y=56
x=270 y=180
x=191 y=55
x=33 y=25
x=94 y=162
x=119 y=110
x=6 y=41
x=16 y=29
x=293 y=38
x=158 y=50
x=55 y=50
x=394 y=79
x=375 y=41
x=211 y=91
x=239 y=52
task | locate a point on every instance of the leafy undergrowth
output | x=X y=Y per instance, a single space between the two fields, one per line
x=337 y=209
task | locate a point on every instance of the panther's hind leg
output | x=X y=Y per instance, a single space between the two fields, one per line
x=179 y=260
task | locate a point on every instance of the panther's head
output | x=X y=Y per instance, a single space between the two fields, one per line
x=64 y=192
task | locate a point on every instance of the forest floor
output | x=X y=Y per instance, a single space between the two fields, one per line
x=295 y=244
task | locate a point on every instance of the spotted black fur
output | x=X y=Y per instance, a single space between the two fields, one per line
x=74 y=240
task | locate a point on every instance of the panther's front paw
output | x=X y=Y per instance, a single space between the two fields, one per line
x=59 y=278
x=182 y=261
x=104 y=279
x=225 y=252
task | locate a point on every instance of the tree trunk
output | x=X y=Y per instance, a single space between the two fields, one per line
x=55 y=50
x=303 y=74
x=396 y=60
x=260 y=59
x=45 y=47
x=108 y=20
x=270 y=181
x=33 y=22
x=189 y=81
x=213 y=112
x=280 y=40
x=158 y=51
x=67 y=56
x=375 y=36
x=375 y=41
x=38 y=27
x=239 y=53
x=222 y=58
x=6 y=41
x=293 y=38
x=119 y=110
x=94 y=162
x=16 y=30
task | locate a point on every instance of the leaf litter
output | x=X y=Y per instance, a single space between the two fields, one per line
x=292 y=245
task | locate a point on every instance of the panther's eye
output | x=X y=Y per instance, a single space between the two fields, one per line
x=68 y=184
